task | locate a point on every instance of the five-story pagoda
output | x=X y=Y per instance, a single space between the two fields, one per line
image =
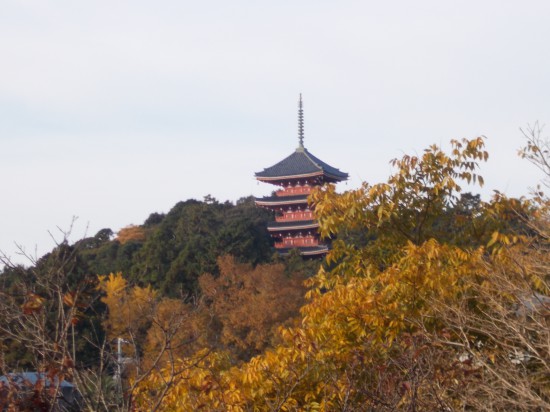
x=297 y=175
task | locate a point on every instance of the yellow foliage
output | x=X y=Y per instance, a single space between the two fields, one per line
x=360 y=318
x=112 y=285
x=388 y=322
x=250 y=302
x=129 y=308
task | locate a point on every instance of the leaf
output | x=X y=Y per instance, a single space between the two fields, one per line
x=69 y=299
x=494 y=239
x=33 y=304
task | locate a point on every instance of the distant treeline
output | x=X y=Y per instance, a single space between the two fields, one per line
x=170 y=251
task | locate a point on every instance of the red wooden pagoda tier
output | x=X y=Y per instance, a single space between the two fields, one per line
x=297 y=174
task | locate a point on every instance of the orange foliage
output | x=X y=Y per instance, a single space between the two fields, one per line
x=131 y=233
x=251 y=303
x=177 y=329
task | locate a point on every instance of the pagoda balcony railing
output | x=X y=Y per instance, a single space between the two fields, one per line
x=297 y=242
x=294 y=216
x=294 y=190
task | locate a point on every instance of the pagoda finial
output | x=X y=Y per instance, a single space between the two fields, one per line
x=301 y=122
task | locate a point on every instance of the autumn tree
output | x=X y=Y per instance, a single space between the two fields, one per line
x=250 y=303
x=48 y=322
x=503 y=324
x=54 y=323
x=131 y=233
x=151 y=331
x=409 y=317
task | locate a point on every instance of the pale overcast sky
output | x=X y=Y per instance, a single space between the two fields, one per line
x=111 y=110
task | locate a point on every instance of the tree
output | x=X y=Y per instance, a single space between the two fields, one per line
x=131 y=233
x=250 y=303
x=189 y=239
x=54 y=323
x=411 y=316
x=48 y=317
x=502 y=329
x=154 y=331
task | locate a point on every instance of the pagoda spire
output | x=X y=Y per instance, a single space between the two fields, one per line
x=301 y=123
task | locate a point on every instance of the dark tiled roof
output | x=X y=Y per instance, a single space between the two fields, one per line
x=300 y=163
x=292 y=224
x=306 y=251
x=282 y=199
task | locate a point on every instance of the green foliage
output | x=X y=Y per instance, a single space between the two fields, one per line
x=153 y=219
x=189 y=239
x=47 y=302
x=172 y=250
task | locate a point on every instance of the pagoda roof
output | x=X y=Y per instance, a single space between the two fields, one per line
x=281 y=200
x=306 y=251
x=301 y=164
x=292 y=225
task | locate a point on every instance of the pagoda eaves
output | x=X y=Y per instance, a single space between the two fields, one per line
x=301 y=165
x=291 y=225
x=280 y=201
x=313 y=251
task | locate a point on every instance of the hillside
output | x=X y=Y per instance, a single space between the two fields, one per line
x=169 y=251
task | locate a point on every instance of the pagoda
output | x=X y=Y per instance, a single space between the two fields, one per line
x=296 y=175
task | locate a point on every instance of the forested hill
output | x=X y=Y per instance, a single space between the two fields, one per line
x=169 y=251
x=182 y=258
